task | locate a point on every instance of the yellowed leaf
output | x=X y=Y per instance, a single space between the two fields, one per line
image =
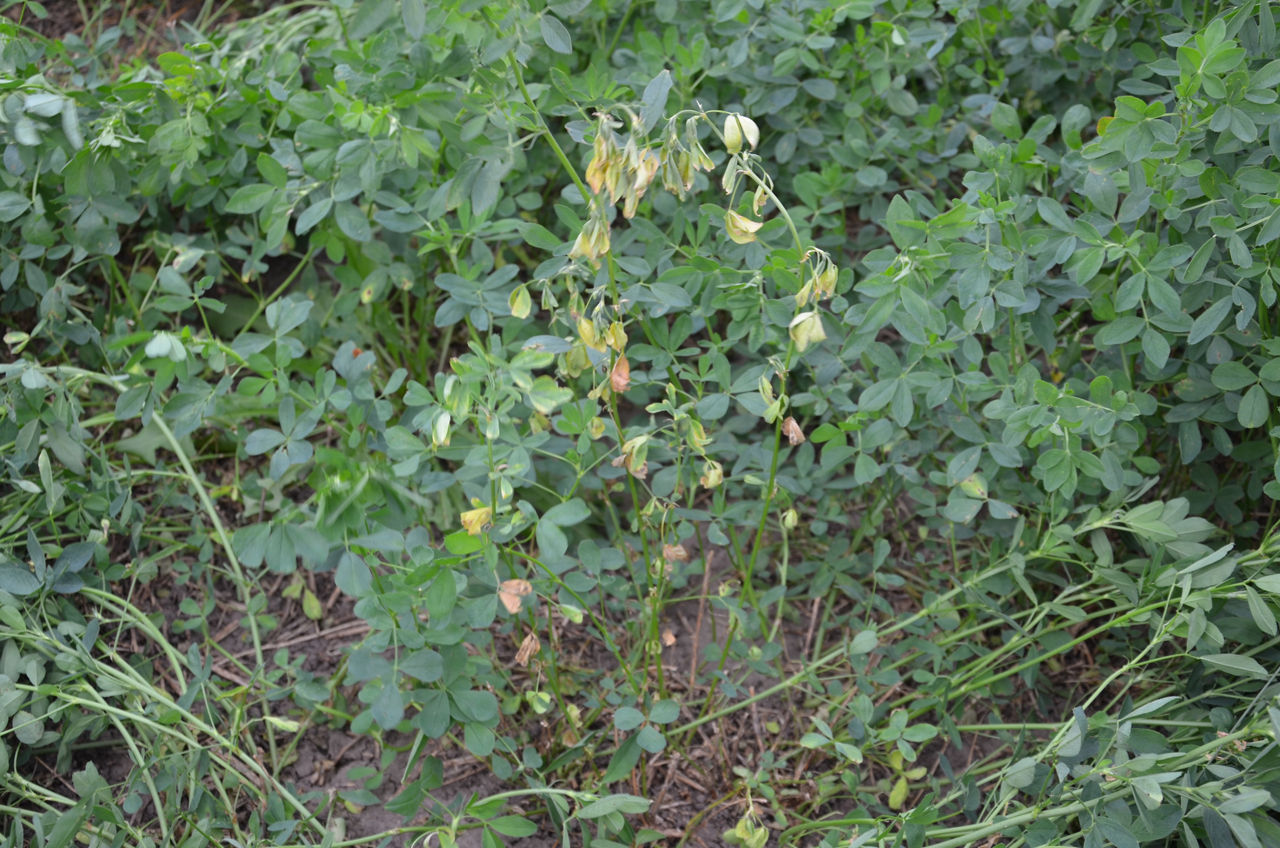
x=311 y=606
x=475 y=520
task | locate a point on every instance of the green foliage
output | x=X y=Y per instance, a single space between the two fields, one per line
x=505 y=317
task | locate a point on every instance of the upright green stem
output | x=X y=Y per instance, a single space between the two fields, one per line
x=617 y=33
x=758 y=544
x=546 y=130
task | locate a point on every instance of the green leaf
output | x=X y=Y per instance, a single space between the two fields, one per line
x=370 y=17
x=474 y=705
x=1021 y=774
x=1052 y=213
x=623 y=761
x=71 y=126
x=814 y=740
x=478 y=739
x=281 y=556
x=12 y=205
x=864 y=643
x=74 y=557
x=1123 y=329
x=1115 y=833
x=651 y=740
x=66 y=827
x=17 y=580
x=1245 y=800
x=388 y=707
x=614 y=804
x=272 y=171
x=877 y=395
x=516 y=826
x=313 y=214
x=1269 y=231
x=1232 y=376
x=714 y=406
x=1085 y=263
x=353 y=222
x=1073 y=738
x=821 y=87
x=1084 y=14
x=250 y=198
x=554 y=35
x=1236 y=664
x=654 y=100
x=414 y=13
x=1100 y=189
x=262 y=440
x=250 y=543
x=567 y=514
x=1001 y=510
x=1260 y=612
x=1005 y=119
x=961 y=510
x=442 y=595
x=1255 y=408
x=627 y=718
x=462 y=543
x=904 y=227
x=26 y=132
x=1207 y=322
x=664 y=712
x=1164 y=296
x=353 y=575
x=920 y=733
x=26 y=727
x=552 y=542
x=487 y=188
x=538 y=236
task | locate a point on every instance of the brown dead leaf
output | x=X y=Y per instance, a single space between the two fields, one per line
x=791 y=429
x=620 y=376
x=675 y=553
x=530 y=646
x=512 y=593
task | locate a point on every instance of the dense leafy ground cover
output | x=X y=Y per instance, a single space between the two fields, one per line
x=728 y=422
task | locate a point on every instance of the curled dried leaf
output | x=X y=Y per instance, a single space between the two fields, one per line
x=512 y=593
x=528 y=648
x=675 y=553
x=792 y=431
x=620 y=376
